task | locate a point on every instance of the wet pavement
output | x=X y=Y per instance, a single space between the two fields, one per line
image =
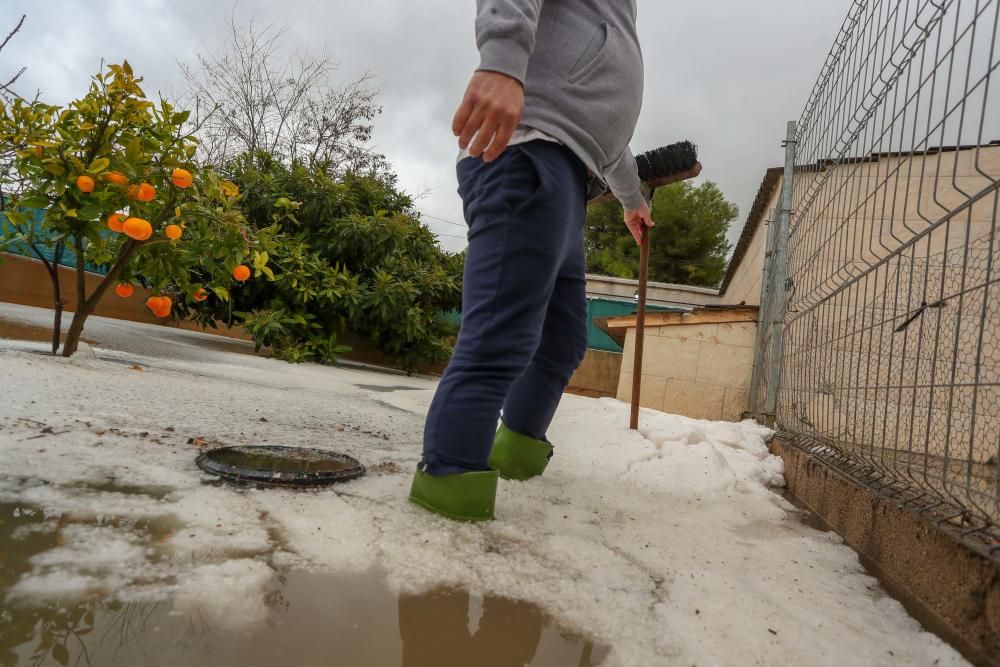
x=117 y=335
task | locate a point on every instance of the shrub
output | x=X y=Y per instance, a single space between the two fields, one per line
x=352 y=256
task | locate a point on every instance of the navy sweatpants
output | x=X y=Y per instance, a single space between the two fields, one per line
x=524 y=304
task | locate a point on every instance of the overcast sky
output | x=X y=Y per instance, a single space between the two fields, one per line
x=726 y=74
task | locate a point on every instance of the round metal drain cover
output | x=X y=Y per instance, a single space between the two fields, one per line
x=280 y=466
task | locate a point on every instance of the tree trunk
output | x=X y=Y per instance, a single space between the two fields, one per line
x=75 y=330
x=57 y=295
x=85 y=306
x=52 y=268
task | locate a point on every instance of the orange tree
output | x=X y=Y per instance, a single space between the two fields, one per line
x=112 y=175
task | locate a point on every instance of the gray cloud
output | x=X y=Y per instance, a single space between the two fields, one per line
x=726 y=74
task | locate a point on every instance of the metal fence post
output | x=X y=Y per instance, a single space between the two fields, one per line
x=780 y=274
x=763 y=320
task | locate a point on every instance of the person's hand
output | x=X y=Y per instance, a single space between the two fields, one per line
x=490 y=111
x=636 y=219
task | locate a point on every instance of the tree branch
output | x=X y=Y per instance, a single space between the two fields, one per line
x=13 y=32
x=81 y=277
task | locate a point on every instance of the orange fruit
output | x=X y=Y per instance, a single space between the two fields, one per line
x=124 y=290
x=116 y=222
x=182 y=178
x=138 y=229
x=200 y=294
x=173 y=232
x=143 y=192
x=241 y=272
x=85 y=183
x=116 y=178
x=160 y=305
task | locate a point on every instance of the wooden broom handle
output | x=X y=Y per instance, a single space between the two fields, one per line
x=640 y=323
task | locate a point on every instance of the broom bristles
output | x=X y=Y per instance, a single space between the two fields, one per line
x=666 y=161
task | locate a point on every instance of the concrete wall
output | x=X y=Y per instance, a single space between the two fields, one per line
x=697 y=369
x=597 y=375
x=661 y=294
x=950 y=589
x=744 y=285
x=26 y=282
x=850 y=373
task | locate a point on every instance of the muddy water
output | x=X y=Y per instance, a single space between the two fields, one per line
x=20 y=331
x=288 y=460
x=313 y=619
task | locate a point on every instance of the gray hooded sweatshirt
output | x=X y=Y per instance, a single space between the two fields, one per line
x=581 y=67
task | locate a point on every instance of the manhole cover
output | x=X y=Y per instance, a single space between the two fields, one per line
x=280 y=466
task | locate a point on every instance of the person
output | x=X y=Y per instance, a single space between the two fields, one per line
x=545 y=123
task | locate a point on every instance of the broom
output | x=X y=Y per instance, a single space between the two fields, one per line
x=660 y=166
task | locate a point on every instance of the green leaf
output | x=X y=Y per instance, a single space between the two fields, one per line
x=34 y=201
x=16 y=217
x=133 y=150
x=180 y=117
x=54 y=168
x=98 y=165
x=267 y=272
x=93 y=234
x=221 y=292
x=90 y=211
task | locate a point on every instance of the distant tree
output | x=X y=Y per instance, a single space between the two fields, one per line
x=689 y=245
x=248 y=98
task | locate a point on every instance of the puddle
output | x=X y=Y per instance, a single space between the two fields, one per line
x=285 y=459
x=381 y=388
x=312 y=619
x=21 y=331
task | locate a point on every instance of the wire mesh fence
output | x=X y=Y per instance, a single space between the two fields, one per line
x=890 y=352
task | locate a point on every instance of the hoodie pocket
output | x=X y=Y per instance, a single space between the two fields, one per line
x=592 y=55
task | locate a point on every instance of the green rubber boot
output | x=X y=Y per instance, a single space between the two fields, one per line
x=517 y=456
x=467 y=496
